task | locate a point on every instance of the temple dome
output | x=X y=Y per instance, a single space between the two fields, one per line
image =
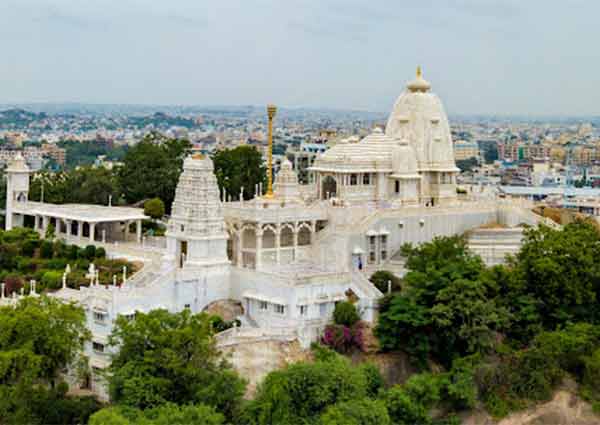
x=419 y=117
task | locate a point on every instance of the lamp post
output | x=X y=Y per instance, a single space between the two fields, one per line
x=271 y=110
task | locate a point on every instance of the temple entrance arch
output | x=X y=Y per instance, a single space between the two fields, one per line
x=328 y=188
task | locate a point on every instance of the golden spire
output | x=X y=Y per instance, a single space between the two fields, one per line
x=419 y=73
x=271 y=110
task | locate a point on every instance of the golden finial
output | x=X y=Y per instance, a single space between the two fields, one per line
x=419 y=73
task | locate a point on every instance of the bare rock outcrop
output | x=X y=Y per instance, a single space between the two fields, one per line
x=254 y=360
x=565 y=408
x=228 y=310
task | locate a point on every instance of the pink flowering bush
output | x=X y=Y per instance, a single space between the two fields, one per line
x=343 y=338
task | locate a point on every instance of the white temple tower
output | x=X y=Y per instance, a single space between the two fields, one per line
x=196 y=235
x=419 y=117
x=17 y=189
x=286 y=185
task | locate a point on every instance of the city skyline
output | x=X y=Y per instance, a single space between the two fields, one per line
x=494 y=57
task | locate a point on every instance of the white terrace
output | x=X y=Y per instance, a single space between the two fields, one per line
x=94 y=222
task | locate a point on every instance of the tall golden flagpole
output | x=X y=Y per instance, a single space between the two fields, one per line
x=271 y=110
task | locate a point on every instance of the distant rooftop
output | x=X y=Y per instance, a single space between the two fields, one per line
x=545 y=191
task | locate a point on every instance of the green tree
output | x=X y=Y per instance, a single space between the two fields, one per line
x=301 y=392
x=80 y=153
x=403 y=409
x=165 y=357
x=554 y=278
x=239 y=167
x=154 y=208
x=357 y=412
x=39 y=337
x=345 y=313
x=448 y=308
x=110 y=416
x=86 y=185
x=151 y=169
x=167 y=414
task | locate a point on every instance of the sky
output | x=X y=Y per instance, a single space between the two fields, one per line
x=504 y=57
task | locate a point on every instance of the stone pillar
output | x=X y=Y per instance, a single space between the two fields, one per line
x=69 y=229
x=92 y=231
x=126 y=233
x=240 y=255
x=258 y=250
x=45 y=222
x=36 y=223
x=79 y=229
x=295 y=233
x=278 y=245
x=138 y=231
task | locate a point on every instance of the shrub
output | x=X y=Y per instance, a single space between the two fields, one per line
x=220 y=325
x=338 y=338
x=46 y=249
x=89 y=252
x=356 y=412
x=60 y=249
x=26 y=265
x=56 y=264
x=403 y=409
x=52 y=280
x=82 y=264
x=591 y=376
x=460 y=386
x=154 y=208
x=381 y=278
x=29 y=246
x=424 y=387
x=100 y=252
x=569 y=345
x=375 y=381
x=13 y=283
x=8 y=256
x=72 y=252
x=346 y=314
x=302 y=391
x=343 y=338
x=18 y=234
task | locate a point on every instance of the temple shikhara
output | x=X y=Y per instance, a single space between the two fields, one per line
x=286 y=257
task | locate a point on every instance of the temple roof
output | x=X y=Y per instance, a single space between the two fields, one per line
x=372 y=153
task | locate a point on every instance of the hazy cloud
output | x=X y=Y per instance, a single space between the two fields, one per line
x=490 y=56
